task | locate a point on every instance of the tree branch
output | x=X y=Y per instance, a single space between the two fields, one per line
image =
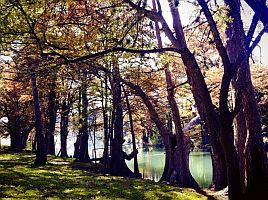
x=219 y=45
x=238 y=105
x=121 y=49
x=260 y=8
x=257 y=39
x=155 y=16
x=30 y=22
x=252 y=28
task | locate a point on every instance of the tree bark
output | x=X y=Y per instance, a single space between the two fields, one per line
x=118 y=165
x=78 y=137
x=65 y=110
x=136 y=166
x=104 y=95
x=83 y=151
x=51 y=114
x=199 y=88
x=179 y=168
x=249 y=143
x=41 y=156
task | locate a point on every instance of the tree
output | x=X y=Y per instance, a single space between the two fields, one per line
x=136 y=166
x=51 y=115
x=224 y=120
x=117 y=154
x=41 y=155
x=16 y=105
x=251 y=153
x=77 y=32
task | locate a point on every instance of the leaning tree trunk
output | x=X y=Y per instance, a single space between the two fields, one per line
x=118 y=165
x=136 y=166
x=41 y=156
x=173 y=157
x=198 y=85
x=176 y=168
x=202 y=99
x=178 y=172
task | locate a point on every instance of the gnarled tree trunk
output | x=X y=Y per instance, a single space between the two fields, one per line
x=248 y=140
x=179 y=171
x=118 y=165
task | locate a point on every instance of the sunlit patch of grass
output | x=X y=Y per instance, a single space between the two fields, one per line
x=19 y=178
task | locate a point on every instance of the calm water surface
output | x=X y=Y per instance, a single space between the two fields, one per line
x=151 y=165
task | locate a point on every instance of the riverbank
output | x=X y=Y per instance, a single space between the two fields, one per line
x=19 y=178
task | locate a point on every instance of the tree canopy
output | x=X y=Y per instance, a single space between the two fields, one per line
x=134 y=66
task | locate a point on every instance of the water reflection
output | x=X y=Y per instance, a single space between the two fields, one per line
x=151 y=165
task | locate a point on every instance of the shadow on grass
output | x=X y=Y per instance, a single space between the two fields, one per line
x=19 y=178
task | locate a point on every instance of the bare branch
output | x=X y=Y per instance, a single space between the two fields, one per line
x=219 y=45
x=252 y=28
x=155 y=16
x=260 y=8
x=257 y=39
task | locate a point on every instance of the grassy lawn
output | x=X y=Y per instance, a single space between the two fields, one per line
x=19 y=178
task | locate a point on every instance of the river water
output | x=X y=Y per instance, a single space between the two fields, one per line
x=151 y=165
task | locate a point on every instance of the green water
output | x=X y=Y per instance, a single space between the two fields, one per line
x=151 y=165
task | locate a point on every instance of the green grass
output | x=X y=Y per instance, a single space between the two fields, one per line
x=20 y=179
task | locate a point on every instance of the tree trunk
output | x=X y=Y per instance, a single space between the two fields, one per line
x=83 y=152
x=256 y=158
x=65 y=110
x=240 y=136
x=227 y=137
x=78 y=137
x=232 y=164
x=104 y=98
x=248 y=140
x=136 y=166
x=16 y=137
x=118 y=164
x=173 y=157
x=203 y=101
x=180 y=146
x=51 y=112
x=14 y=124
x=41 y=156
x=199 y=88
